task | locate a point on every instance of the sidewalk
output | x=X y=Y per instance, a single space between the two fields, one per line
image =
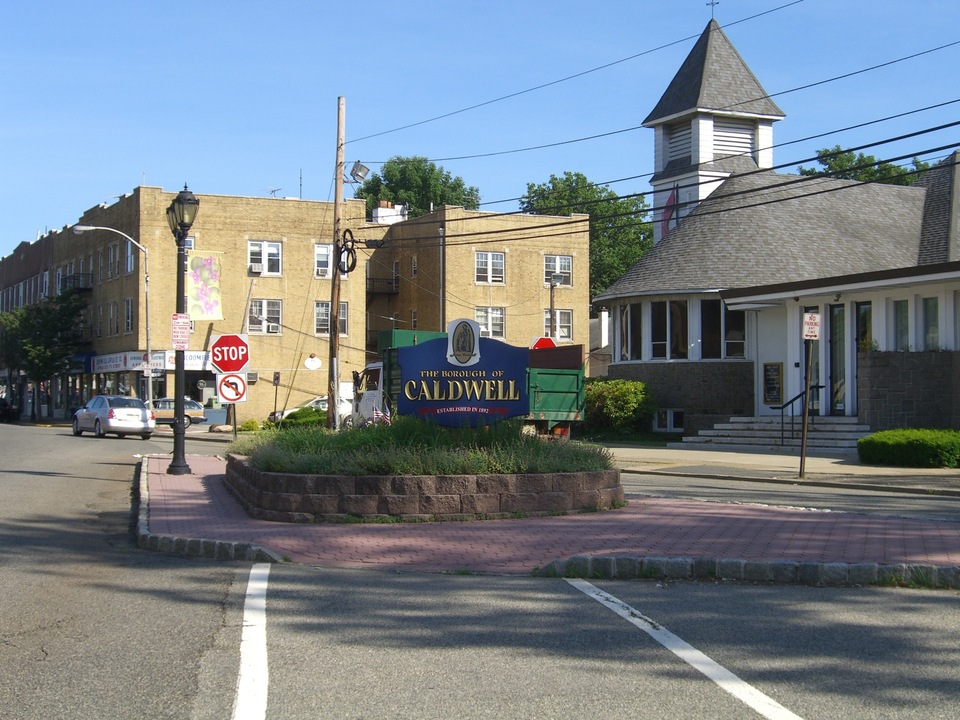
x=650 y=537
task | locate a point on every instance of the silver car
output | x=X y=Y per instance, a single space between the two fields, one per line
x=115 y=414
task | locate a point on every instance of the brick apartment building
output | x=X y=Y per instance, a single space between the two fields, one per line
x=264 y=269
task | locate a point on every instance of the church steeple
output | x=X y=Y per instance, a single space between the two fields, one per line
x=714 y=119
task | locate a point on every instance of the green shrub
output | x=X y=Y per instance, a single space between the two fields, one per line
x=412 y=447
x=304 y=417
x=249 y=426
x=921 y=448
x=617 y=404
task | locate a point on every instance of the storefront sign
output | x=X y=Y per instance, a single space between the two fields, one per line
x=464 y=379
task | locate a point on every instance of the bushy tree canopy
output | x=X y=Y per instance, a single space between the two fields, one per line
x=41 y=338
x=620 y=232
x=847 y=165
x=418 y=183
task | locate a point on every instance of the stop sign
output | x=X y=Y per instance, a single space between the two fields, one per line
x=230 y=353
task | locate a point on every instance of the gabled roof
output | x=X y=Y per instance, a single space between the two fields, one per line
x=764 y=228
x=940 y=236
x=714 y=78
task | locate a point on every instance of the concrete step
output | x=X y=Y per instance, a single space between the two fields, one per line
x=827 y=433
x=770 y=449
x=755 y=442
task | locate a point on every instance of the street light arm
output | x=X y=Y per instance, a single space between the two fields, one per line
x=79 y=230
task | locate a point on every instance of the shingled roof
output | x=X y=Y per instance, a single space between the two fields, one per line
x=764 y=227
x=715 y=78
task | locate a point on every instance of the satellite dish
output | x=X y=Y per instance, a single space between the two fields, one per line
x=312 y=362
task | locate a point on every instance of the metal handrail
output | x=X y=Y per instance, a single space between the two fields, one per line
x=789 y=404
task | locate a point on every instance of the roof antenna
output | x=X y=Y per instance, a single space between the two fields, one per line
x=712 y=3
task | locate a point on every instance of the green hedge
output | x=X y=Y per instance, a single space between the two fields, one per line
x=618 y=405
x=911 y=448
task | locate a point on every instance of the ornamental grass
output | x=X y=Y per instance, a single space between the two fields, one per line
x=412 y=447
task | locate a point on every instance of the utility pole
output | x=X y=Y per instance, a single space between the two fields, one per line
x=333 y=388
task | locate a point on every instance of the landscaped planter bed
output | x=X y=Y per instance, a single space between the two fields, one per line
x=284 y=497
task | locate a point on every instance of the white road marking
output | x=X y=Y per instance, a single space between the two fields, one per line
x=741 y=690
x=250 y=702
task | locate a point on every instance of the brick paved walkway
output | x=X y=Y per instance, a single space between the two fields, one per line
x=199 y=506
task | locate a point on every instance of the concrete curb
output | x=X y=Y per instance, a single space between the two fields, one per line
x=810 y=482
x=633 y=567
x=195 y=547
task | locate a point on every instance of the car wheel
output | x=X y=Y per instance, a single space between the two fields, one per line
x=98 y=430
x=187 y=421
x=76 y=427
x=145 y=436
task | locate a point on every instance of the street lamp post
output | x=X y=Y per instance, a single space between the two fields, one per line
x=180 y=216
x=79 y=230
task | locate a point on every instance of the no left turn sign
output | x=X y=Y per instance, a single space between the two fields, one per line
x=232 y=388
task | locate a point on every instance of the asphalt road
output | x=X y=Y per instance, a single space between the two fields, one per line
x=798 y=494
x=92 y=627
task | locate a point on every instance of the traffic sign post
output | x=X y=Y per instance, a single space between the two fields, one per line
x=811 y=332
x=230 y=353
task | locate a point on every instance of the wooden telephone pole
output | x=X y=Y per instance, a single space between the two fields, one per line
x=333 y=388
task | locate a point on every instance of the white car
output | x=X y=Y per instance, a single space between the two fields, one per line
x=115 y=415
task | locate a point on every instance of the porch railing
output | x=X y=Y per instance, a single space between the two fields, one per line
x=800 y=397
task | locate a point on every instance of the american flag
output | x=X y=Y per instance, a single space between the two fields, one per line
x=381 y=416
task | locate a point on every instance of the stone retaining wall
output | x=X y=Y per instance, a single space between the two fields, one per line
x=293 y=498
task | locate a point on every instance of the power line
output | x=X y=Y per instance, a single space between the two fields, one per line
x=585 y=205
x=639 y=127
x=564 y=79
x=451 y=238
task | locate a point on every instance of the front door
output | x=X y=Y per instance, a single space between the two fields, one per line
x=838 y=360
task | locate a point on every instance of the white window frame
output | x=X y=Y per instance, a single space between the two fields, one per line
x=486 y=270
x=492 y=321
x=665 y=420
x=930 y=322
x=561 y=265
x=268 y=253
x=321 y=318
x=669 y=326
x=263 y=312
x=564 y=324
x=127 y=315
x=323 y=260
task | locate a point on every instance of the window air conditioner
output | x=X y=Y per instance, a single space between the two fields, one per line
x=252 y=378
x=273 y=327
x=256 y=268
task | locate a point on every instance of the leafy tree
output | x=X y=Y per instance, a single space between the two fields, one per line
x=49 y=333
x=845 y=165
x=11 y=343
x=619 y=230
x=418 y=183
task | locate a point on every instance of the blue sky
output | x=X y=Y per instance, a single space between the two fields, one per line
x=240 y=97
